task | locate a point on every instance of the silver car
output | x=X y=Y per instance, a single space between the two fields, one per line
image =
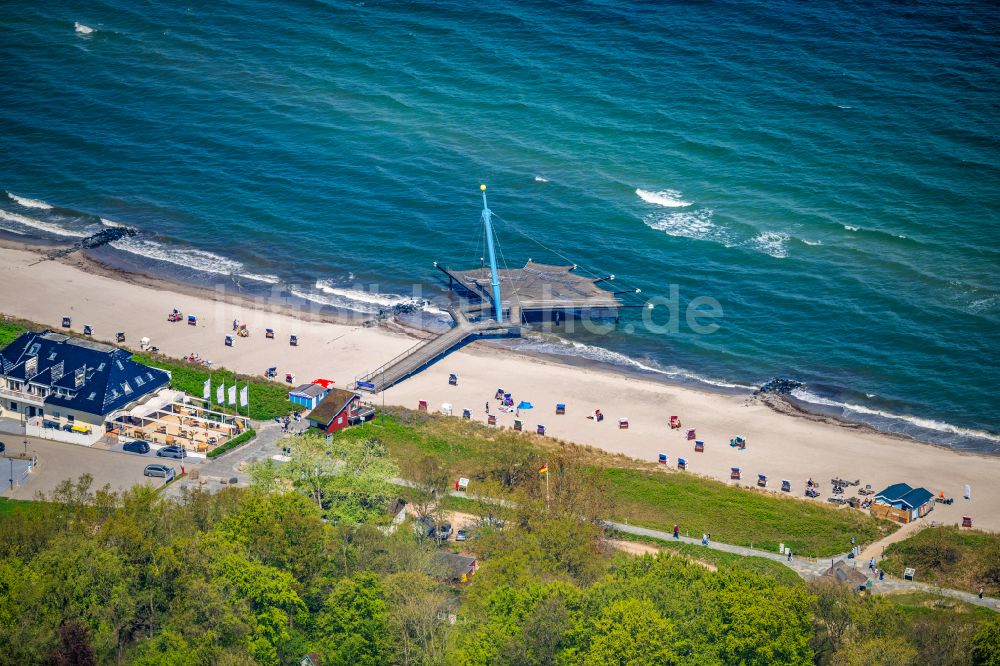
x=158 y=470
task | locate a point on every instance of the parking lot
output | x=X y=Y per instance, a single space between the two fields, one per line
x=58 y=461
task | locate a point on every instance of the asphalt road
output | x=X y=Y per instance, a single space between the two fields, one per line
x=58 y=461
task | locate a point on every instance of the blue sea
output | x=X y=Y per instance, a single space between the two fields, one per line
x=828 y=172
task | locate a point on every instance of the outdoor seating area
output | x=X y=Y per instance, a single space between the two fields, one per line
x=182 y=424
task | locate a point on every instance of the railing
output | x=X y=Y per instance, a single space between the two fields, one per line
x=423 y=353
x=11 y=394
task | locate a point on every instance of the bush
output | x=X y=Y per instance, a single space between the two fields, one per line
x=239 y=440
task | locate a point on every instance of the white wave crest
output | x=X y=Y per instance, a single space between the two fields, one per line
x=540 y=179
x=774 y=243
x=110 y=223
x=809 y=242
x=325 y=292
x=560 y=347
x=199 y=260
x=82 y=29
x=40 y=225
x=29 y=203
x=666 y=198
x=927 y=424
x=850 y=228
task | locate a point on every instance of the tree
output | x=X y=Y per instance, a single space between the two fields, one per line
x=876 y=652
x=629 y=632
x=834 y=611
x=430 y=478
x=348 y=478
x=353 y=622
x=986 y=644
x=75 y=648
x=417 y=618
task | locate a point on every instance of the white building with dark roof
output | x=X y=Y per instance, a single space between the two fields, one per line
x=70 y=383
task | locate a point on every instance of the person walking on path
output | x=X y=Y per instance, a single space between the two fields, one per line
x=881 y=574
x=704 y=539
x=789 y=554
x=981 y=590
x=871 y=563
x=677 y=532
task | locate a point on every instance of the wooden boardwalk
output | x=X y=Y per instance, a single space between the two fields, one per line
x=425 y=352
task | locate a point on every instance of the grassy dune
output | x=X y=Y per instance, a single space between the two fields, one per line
x=643 y=493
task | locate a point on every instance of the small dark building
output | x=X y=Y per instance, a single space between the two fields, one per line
x=455 y=568
x=338 y=410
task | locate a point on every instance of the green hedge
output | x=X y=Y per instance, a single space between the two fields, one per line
x=267 y=399
x=239 y=440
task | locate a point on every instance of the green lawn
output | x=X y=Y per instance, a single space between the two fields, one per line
x=10 y=507
x=659 y=499
x=644 y=494
x=267 y=399
x=953 y=557
x=9 y=331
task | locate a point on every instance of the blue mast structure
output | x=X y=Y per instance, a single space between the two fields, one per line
x=494 y=278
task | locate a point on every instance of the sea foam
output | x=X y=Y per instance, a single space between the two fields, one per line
x=39 y=225
x=561 y=347
x=29 y=203
x=927 y=424
x=199 y=260
x=665 y=198
x=326 y=292
x=774 y=243
x=82 y=29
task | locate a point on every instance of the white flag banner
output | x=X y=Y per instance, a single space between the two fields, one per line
x=232 y=394
x=207 y=392
x=220 y=393
x=245 y=396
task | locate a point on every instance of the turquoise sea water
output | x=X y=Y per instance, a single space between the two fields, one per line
x=828 y=171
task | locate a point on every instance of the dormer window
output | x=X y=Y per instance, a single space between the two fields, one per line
x=126 y=388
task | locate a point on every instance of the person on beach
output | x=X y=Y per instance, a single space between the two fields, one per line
x=677 y=532
x=487 y=406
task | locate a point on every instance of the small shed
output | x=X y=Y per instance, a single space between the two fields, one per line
x=455 y=568
x=847 y=575
x=908 y=503
x=308 y=395
x=396 y=511
x=338 y=410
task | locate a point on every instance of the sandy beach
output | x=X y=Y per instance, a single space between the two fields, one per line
x=782 y=446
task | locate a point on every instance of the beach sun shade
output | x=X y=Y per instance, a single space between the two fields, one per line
x=525 y=405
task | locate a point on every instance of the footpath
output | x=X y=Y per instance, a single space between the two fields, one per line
x=810 y=568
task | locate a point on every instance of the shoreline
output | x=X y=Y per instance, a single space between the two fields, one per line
x=779 y=403
x=784 y=442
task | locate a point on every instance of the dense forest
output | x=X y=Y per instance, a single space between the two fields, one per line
x=304 y=563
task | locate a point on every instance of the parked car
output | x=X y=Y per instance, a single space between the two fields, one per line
x=444 y=531
x=3 y=447
x=461 y=535
x=172 y=452
x=156 y=469
x=137 y=446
